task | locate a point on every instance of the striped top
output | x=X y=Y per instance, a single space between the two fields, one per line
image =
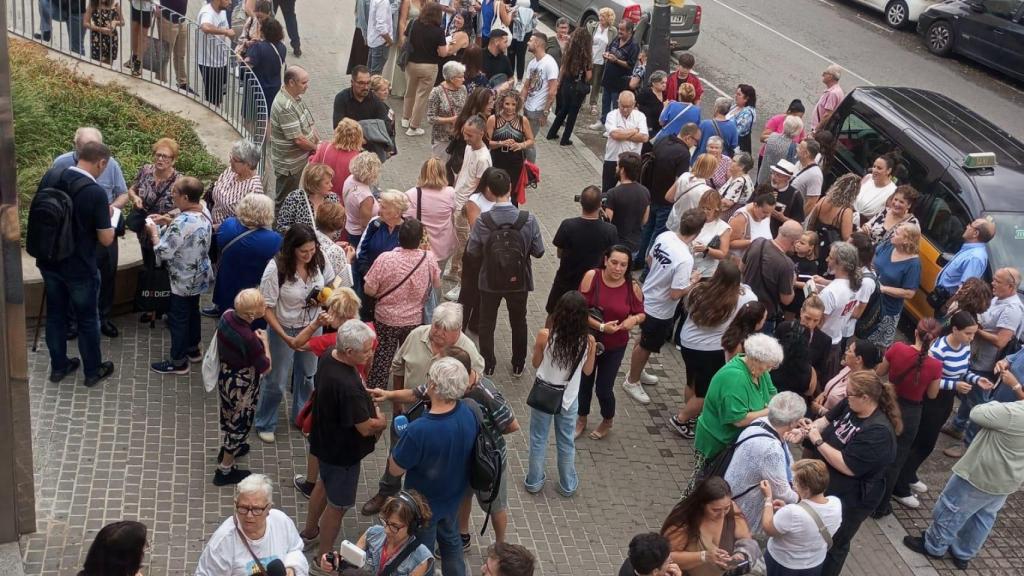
x=955 y=362
x=290 y=118
x=229 y=190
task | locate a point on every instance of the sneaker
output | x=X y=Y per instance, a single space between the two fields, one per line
x=908 y=501
x=73 y=364
x=168 y=367
x=919 y=487
x=681 y=428
x=517 y=371
x=210 y=312
x=415 y=132
x=648 y=378
x=951 y=430
x=195 y=356
x=373 y=505
x=236 y=475
x=310 y=542
x=267 y=437
x=405 y=122
x=954 y=451
x=106 y=369
x=453 y=294
x=466 y=540
x=636 y=391
x=596 y=126
x=305 y=488
x=489 y=371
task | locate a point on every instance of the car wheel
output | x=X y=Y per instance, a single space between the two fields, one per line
x=590 y=22
x=897 y=15
x=940 y=38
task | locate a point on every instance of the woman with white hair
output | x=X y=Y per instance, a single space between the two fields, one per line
x=716 y=147
x=246 y=242
x=236 y=182
x=444 y=105
x=780 y=146
x=738 y=395
x=256 y=535
x=380 y=236
x=762 y=453
x=721 y=126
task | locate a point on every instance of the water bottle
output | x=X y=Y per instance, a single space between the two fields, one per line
x=401 y=423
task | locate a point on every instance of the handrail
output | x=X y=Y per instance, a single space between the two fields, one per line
x=243 y=104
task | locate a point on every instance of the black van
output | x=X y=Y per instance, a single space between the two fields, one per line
x=964 y=166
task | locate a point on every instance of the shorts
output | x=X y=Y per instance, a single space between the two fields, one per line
x=340 y=483
x=144 y=17
x=701 y=367
x=654 y=332
x=501 y=501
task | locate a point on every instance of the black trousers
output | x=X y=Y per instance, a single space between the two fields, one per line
x=836 y=557
x=106 y=261
x=609 y=176
x=911 y=414
x=570 y=109
x=933 y=415
x=516 y=303
x=291 y=23
x=214 y=79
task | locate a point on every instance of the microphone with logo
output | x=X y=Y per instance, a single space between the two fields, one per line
x=276 y=568
x=401 y=422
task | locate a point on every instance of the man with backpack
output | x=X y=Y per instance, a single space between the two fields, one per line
x=505 y=238
x=659 y=170
x=69 y=215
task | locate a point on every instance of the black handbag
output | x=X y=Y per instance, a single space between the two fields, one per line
x=153 y=290
x=545 y=396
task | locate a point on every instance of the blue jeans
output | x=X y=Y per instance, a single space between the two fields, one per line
x=80 y=294
x=45 y=16
x=445 y=531
x=655 y=225
x=185 y=324
x=962 y=419
x=609 y=100
x=76 y=31
x=962 y=519
x=377 y=58
x=282 y=359
x=565 y=428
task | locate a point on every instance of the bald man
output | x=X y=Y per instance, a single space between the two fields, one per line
x=293 y=134
x=769 y=272
x=626 y=131
x=971 y=261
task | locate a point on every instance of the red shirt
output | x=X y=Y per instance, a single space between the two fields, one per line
x=616 y=304
x=324 y=342
x=903 y=373
x=672 y=86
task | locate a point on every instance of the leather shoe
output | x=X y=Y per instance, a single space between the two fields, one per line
x=106 y=369
x=44 y=36
x=109 y=329
x=57 y=376
x=916 y=544
x=960 y=564
x=373 y=505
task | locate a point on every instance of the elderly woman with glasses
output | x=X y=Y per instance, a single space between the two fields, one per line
x=236 y=182
x=255 y=530
x=444 y=105
x=150 y=192
x=300 y=206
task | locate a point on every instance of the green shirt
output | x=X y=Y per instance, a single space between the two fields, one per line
x=994 y=462
x=289 y=119
x=731 y=396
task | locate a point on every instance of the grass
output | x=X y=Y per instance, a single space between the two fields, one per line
x=51 y=101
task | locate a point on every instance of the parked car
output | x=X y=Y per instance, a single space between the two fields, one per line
x=898 y=13
x=964 y=166
x=684 y=23
x=987 y=31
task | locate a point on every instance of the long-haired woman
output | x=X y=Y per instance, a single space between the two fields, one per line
x=509 y=134
x=750 y=318
x=973 y=296
x=707 y=532
x=117 y=550
x=561 y=355
x=712 y=305
x=899 y=275
x=575 y=73
x=832 y=217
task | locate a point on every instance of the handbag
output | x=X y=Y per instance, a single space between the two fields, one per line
x=817 y=522
x=406 y=51
x=547 y=397
x=211 y=364
x=304 y=419
x=424 y=239
x=153 y=290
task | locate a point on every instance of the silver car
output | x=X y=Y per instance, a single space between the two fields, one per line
x=685 y=21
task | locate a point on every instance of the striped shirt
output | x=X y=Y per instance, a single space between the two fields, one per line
x=229 y=190
x=290 y=118
x=955 y=362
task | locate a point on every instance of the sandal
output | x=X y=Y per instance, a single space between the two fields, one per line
x=601 y=431
x=580 y=429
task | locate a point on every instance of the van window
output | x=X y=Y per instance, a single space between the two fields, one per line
x=1005 y=9
x=859 y=143
x=943 y=218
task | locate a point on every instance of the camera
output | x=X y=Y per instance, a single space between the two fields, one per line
x=349 y=556
x=738 y=568
x=318 y=296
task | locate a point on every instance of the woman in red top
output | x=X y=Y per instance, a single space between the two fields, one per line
x=339 y=152
x=912 y=372
x=610 y=290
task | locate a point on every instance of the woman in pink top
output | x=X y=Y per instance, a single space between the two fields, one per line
x=432 y=202
x=357 y=194
x=860 y=355
x=339 y=152
x=774 y=124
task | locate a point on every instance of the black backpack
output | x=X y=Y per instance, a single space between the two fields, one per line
x=51 y=215
x=505 y=254
x=485 y=466
x=647 y=169
x=720 y=464
x=872 y=313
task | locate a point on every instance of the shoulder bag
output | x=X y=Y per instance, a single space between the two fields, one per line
x=662 y=133
x=547 y=397
x=261 y=569
x=817 y=522
x=425 y=238
x=392 y=567
x=406 y=51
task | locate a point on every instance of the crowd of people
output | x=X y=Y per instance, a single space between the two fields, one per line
x=783 y=296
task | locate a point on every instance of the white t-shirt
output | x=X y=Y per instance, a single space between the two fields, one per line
x=213 y=50
x=615 y=121
x=482 y=202
x=688 y=194
x=867 y=288
x=871 y=199
x=709 y=338
x=474 y=162
x=599 y=45
x=226 y=555
x=808 y=181
x=799 y=545
x=671 y=266
x=288 y=298
x=703 y=261
x=538 y=74
x=839 y=300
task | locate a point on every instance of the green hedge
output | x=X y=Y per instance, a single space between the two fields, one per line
x=51 y=101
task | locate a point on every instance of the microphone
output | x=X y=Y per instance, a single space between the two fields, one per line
x=276 y=568
x=401 y=423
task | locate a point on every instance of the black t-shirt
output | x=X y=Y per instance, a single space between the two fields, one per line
x=868 y=446
x=628 y=203
x=803 y=350
x=341 y=402
x=425 y=39
x=617 y=77
x=671 y=160
x=582 y=243
x=494 y=65
x=346 y=106
x=649 y=104
x=792 y=204
x=769 y=272
x=90 y=212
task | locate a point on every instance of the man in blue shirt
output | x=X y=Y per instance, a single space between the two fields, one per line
x=112 y=182
x=719 y=126
x=434 y=453
x=971 y=261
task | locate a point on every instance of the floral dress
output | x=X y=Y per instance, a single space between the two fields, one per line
x=156 y=196
x=444 y=103
x=104 y=46
x=184 y=249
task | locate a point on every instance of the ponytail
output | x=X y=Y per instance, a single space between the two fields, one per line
x=928 y=329
x=888 y=404
x=868 y=383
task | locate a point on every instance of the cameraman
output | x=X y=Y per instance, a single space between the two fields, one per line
x=581 y=242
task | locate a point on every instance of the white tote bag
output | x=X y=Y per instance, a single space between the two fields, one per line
x=211 y=365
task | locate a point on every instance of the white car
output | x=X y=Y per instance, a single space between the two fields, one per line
x=899 y=13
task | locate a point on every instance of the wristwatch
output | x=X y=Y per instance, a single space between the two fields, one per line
x=600 y=327
x=819 y=442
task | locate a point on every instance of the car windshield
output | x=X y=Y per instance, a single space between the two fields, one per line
x=1007 y=248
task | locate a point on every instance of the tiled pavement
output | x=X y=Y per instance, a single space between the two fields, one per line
x=142 y=446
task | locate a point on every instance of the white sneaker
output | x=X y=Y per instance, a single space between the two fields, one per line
x=636 y=391
x=908 y=501
x=648 y=378
x=267 y=437
x=596 y=126
x=453 y=294
x=919 y=487
x=415 y=132
x=405 y=123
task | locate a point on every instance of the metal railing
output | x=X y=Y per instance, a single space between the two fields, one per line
x=241 y=102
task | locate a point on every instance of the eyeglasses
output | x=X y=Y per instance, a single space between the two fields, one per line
x=392 y=525
x=162 y=156
x=255 y=511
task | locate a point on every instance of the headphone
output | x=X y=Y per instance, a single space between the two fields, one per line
x=408 y=501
